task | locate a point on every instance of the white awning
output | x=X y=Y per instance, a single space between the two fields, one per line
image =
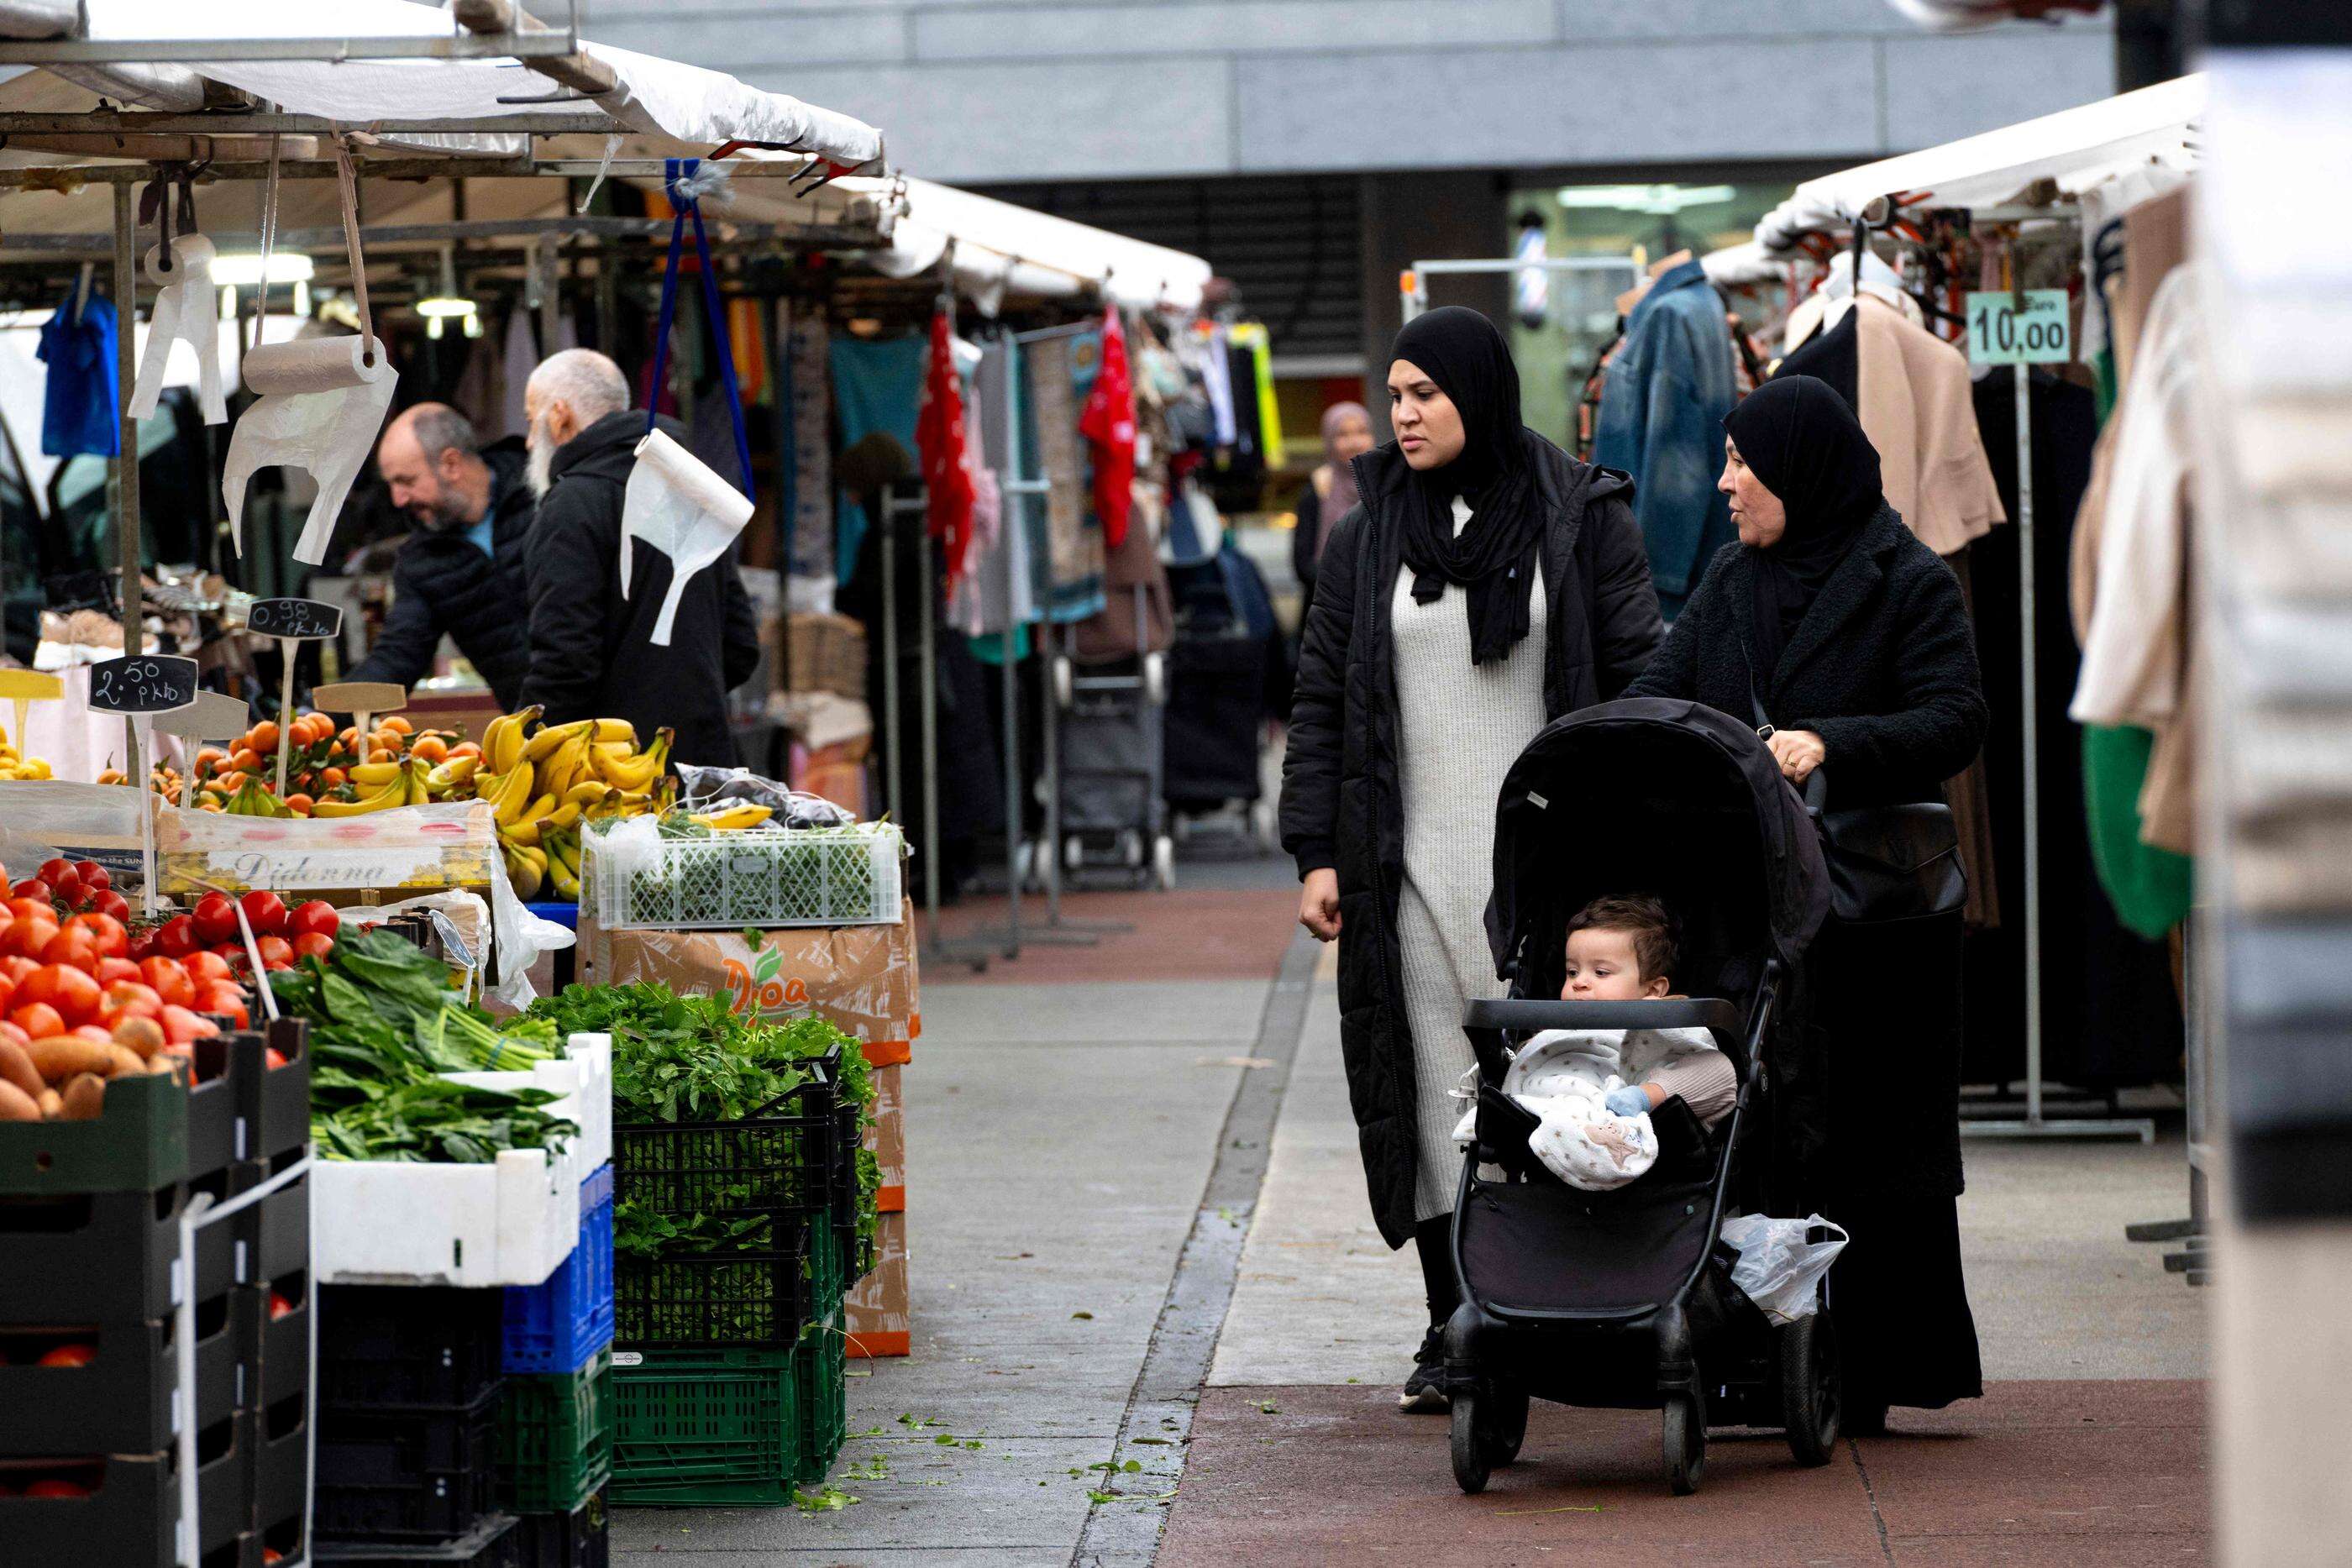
x=656 y=97
x=2077 y=148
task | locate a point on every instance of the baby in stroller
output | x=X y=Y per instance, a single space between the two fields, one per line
x=1594 y=1092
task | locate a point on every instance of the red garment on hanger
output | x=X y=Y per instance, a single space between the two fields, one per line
x=940 y=441
x=1109 y=424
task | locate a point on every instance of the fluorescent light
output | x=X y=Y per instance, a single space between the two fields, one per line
x=243 y=269
x=1660 y=201
x=444 y=304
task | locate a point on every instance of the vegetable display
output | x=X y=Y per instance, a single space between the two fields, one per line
x=384 y=1024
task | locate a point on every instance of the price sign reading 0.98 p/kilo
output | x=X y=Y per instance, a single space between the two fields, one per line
x=2034 y=328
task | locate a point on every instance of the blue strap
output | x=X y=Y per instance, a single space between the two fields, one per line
x=675 y=170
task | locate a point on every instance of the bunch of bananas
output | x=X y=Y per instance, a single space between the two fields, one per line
x=384 y=786
x=14 y=766
x=254 y=799
x=541 y=784
x=735 y=817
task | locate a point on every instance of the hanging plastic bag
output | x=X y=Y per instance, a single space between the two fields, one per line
x=1779 y=1268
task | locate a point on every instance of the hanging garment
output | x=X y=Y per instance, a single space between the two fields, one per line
x=1108 y=426
x=1254 y=400
x=877 y=385
x=807 y=356
x=1073 y=551
x=1912 y=392
x=79 y=409
x=1661 y=420
x=1828 y=303
x=2110 y=1015
x=1217 y=380
x=519 y=358
x=1001 y=576
x=940 y=448
x=749 y=345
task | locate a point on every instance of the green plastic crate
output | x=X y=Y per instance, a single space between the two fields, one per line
x=728 y=1427
x=555 y=1437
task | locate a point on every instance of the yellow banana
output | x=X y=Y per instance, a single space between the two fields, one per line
x=546 y=743
x=616 y=729
x=541 y=806
x=526 y=876
x=383 y=799
x=564 y=815
x=513 y=795
x=588 y=792
x=522 y=835
x=632 y=772
x=374 y=775
x=564 y=879
x=502 y=742
x=734 y=818
x=456 y=772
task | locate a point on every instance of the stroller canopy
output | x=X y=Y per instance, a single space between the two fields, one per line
x=1663 y=797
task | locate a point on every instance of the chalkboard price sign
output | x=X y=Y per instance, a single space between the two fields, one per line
x=291 y=618
x=142 y=683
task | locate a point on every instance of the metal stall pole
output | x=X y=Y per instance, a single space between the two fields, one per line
x=2034 y=1124
x=126 y=464
x=896 y=510
x=2194 y=1260
x=889 y=672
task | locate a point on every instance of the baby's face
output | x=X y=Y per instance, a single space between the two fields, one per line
x=1601 y=968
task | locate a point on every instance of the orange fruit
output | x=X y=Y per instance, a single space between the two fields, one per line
x=229 y=782
x=245 y=759
x=299 y=804
x=431 y=749
x=397 y=724
x=263 y=738
x=209 y=757
x=383 y=754
x=348 y=736
x=331 y=778
x=466 y=748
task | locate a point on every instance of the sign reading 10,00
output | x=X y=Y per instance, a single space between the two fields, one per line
x=2034 y=328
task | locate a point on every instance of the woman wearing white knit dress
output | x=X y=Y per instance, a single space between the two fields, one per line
x=1486 y=583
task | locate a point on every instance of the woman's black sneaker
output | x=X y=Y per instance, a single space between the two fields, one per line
x=1424 y=1391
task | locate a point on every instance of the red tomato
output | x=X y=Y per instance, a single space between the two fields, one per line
x=63 y=880
x=169 y=978
x=25 y=907
x=72 y=993
x=57 y=1489
x=316 y=916
x=95 y=878
x=6 y=915
x=112 y=904
x=182 y=1027
x=18 y=968
x=203 y=967
x=69 y=1355
x=113 y=969
x=113 y=940
x=281 y=1307
x=275 y=953
x=72 y=945
x=313 y=945
x=273 y=1059
x=222 y=999
x=7 y=990
x=39 y=1020
x=177 y=936
x=266 y=912
x=215 y=919
x=143 y=943
x=130 y=995
x=31 y=887
x=25 y=938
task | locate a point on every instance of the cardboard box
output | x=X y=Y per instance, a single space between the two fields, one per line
x=860 y=978
x=888 y=1136
x=879 y=1319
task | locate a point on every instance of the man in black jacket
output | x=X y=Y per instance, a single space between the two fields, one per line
x=460 y=574
x=591 y=655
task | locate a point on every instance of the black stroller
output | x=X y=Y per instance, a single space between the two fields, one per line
x=1623 y=1300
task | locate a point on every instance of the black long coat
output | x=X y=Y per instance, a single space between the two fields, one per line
x=1884 y=668
x=1341 y=804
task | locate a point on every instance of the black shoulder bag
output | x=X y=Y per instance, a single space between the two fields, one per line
x=1886 y=862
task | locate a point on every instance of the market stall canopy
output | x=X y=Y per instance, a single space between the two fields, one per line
x=996 y=248
x=2076 y=148
x=650 y=96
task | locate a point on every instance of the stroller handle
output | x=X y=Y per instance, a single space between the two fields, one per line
x=1714 y=1015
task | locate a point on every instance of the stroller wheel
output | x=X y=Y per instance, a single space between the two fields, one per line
x=1471 y=1463
x=1685 y=1443
x=1810 y=1402
x=1506 y=1423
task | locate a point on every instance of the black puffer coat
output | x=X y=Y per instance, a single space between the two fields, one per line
x=1884 y=668
x=1341 y=804
x=442 y=584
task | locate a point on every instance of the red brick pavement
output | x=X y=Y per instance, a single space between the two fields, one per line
x=1183 y=935
x=2079 y=1474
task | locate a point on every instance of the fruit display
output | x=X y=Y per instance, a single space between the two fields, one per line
x=543 y=780
x=332 y=772
x=14 y=765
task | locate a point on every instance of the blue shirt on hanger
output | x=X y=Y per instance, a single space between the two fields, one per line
x=82 y=413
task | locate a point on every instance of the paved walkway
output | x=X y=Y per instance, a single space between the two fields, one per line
x=1094 y=1201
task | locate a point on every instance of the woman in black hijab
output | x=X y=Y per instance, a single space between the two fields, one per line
x=1485 y=583
x=1832 y=627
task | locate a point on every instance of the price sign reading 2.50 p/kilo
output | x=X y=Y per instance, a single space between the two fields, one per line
x=2034 y=328
x=142 y=683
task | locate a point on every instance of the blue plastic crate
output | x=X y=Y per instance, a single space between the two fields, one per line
x=557 y=1326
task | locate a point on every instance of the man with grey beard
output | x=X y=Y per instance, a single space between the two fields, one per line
x=592 y=653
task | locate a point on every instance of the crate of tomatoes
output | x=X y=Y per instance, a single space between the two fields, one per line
x=129 y=1059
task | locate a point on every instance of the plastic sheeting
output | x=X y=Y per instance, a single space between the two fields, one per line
x=2078 y=148
x=656 y=96
x=996 y=248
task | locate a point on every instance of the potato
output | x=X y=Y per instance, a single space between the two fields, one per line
x=61 y=1056
x=52 y=1105
x=85 y=1098
x=123 y=1062
x=15 y=1105
x=16 y=1067
x=140 y=1034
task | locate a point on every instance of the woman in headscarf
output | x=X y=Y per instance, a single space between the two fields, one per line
x=1331 y=491
x=1830 y=623
x=1485 y=583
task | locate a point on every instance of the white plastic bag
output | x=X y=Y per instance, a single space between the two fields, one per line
x=1778 y=1268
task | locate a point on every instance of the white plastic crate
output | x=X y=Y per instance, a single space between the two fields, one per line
x=581 y=1081
x=384 y=1222
x=765 y=879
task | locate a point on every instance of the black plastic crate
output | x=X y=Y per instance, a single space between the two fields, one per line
x=581 y=1539
x=113 y=1257
x=281 y=1463
x=416 y=1476
x=396 y=1347
x=492 y=1543
x=124 y=1400
x=741 y=1299
x=129 y=1515
x=785 y=1160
